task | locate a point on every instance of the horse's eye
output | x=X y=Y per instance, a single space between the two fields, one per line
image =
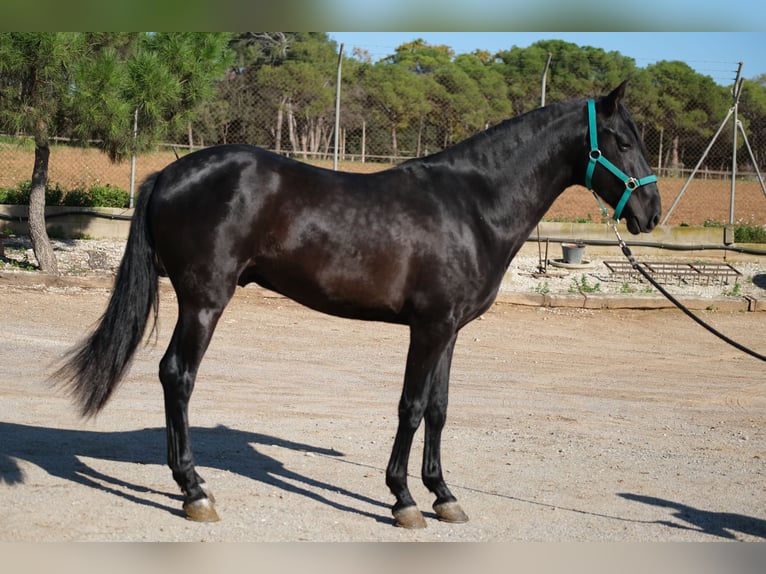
x=622 y=146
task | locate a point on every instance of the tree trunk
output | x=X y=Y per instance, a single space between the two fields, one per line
x=291 y=128
x=278 y=132
x=420 y=137
x=41 y=244
x=364 y=141
x=394 y=143
x=674 y=160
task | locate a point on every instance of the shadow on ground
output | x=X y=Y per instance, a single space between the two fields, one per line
x=720 y=524
x=59 y=452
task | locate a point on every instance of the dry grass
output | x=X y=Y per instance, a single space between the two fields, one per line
x=703 y=201
x=73 y=168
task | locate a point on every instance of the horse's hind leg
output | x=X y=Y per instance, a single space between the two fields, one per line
x=178 y=370
x=428 y=367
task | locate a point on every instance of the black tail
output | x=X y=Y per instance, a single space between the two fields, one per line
x=94 y=368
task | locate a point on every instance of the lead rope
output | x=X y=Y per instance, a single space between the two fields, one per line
x=627 y=252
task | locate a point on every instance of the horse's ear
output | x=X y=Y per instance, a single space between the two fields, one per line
x=612 y=102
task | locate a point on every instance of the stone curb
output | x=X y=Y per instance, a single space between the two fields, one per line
x=619 y=301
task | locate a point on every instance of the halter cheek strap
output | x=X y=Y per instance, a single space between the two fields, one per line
x=595 y=157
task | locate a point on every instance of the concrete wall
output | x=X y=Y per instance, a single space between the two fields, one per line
x=71 y=222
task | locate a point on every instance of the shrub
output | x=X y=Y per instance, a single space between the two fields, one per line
x=98 y=196
x=19 y=195
x=749 y=234
x=111 y=196
x=95 y=196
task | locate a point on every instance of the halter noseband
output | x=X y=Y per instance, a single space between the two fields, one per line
x=631 y=183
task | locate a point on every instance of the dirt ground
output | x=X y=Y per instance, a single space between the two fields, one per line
x=564 y=425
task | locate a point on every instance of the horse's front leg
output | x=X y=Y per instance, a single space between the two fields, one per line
x=178 y=370
x=428 y=366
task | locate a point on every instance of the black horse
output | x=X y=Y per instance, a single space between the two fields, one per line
x=423 y=244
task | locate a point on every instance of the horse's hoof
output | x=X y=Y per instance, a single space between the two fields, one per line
x=201 y=510
x=207 y=492
x=409 y=517
x=450 y=512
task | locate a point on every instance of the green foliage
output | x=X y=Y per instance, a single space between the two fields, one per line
x=19 y=195
x=573 y=70
x=24 y=263
x=587 y=219
x=494 y=104
x=423 y=98
x=583 y=286
x=735 y=291
x=35 y=68
x=744 y=233
x=88 y=85
x=688 y=107
x=627 y=288
x=95 y=196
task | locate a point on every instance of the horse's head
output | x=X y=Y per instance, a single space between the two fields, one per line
x=617 y=168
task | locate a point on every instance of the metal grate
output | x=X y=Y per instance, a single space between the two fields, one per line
x=676 y=273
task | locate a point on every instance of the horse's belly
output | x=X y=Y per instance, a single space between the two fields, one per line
x=350 y=288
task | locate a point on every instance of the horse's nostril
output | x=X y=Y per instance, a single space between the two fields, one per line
x=656 y=220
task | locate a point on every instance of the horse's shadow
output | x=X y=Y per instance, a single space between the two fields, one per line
x=720 y=524
x=59 y=452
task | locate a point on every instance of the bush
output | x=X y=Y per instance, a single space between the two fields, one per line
x=110 y=196
x=20 y=194
x=749 y=234
x=744 y=232
x=95 y=196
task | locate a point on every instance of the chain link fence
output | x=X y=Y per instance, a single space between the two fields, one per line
x=372 y=136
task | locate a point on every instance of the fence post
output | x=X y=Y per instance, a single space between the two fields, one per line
x=133 y=159
x=736 y=91
x=545 y=77
x=337 y=109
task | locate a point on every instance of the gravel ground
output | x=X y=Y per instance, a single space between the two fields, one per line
x=564 y=424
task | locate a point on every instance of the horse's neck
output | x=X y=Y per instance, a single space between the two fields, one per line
x=534 y=155
x=532 y=159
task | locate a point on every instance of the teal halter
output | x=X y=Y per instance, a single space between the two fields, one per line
x=595 y=157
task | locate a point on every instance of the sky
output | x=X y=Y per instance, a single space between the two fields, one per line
x=714 y=54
